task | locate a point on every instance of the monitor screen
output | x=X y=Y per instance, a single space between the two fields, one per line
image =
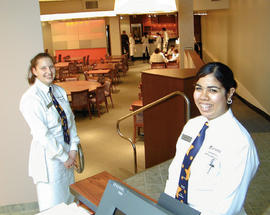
x=118 y=212
x=118 y=199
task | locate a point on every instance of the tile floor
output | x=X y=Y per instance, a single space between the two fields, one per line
x=152 y=181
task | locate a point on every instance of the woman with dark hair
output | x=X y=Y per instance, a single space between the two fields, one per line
x=215 y=156
x=53 y=151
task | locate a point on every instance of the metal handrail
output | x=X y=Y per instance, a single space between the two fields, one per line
x=147 y=107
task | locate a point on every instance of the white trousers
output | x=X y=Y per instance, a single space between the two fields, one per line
x=50 y=195
x=56 y=190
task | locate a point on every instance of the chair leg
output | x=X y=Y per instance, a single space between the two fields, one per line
x=106 y=103
x=89 y=111
x=98 y=110
x=111 y=101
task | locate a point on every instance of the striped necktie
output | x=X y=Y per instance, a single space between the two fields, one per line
x=63 y=116
x=181 y=193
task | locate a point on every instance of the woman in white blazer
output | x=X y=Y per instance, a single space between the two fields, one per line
x=221 y=171
x=52 y=157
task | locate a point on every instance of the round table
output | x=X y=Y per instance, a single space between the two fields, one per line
x=74 y=86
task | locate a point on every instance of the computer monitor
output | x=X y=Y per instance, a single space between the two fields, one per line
x=175 y=206
x=118 y=199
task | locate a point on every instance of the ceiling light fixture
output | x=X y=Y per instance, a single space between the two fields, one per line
x=63 y=16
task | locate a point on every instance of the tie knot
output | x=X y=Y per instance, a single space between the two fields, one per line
x=50 y=89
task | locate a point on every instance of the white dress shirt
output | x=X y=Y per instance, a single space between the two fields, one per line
x=158 y=58
x=175 y=57
x=222 y=169
x=132 y=48
x=158 y=42
x=45 y=123
x=145 y=43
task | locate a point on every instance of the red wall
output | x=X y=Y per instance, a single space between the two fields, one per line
x=95 y=53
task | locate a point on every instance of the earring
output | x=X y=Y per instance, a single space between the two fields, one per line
x=229 y=101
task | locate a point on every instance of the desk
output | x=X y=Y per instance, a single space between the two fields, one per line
x=90 y=190
x=164 y=122
x=74 y=86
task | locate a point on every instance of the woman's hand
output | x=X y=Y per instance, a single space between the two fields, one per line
x=73 y=154
x=71 y=159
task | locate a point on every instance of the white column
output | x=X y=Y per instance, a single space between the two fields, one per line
x=115 y=35
x=185 y=26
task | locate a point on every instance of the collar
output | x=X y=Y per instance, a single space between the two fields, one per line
x=221 y=119
x=41 y=86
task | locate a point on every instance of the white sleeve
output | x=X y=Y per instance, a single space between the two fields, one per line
x=34 y=114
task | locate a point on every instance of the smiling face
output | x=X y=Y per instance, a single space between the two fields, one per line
x=210 y=97
x=44 y=70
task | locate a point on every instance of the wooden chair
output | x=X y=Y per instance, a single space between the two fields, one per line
x=59 y=58
x=89 y=77
x=99 y=98
x=108 y=90
x=80 y=101
x=72 y=68
x=67 y=58
x=82 y=64
x=158 y=65
x=137 y=119
x=172 y=64
x=63 y=74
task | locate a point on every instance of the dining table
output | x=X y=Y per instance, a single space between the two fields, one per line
x=75 y=86
x=61 y=64
x=114 y=60
x=102 y=72
x=76 y=59
x=99 y=66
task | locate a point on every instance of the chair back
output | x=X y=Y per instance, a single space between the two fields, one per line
x=84 y=60
x=85 y=75
x=100 y=95
x=172 y=64
x=80 y=99
x=59 y=58
x=62 y=74
x=108 y=86
x=72 y=68
x=67 y=58
x=158 y=65
x=138 y=118
x=87 y=60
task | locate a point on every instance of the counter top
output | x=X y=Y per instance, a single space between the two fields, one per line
x=151 y=181
x=173 y=73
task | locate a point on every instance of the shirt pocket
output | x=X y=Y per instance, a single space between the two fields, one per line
x=53 y=117
x=208 y=171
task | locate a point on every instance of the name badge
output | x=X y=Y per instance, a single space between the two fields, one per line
x=186 y=137
x=49 y=105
